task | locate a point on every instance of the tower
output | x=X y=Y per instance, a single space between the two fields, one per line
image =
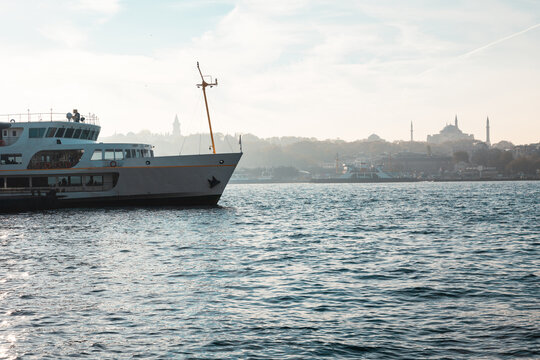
x=487 y=132
x=176 y=127
x=411 y=132
x=455 y=121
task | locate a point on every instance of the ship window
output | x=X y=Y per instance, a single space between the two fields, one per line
x=133 y=153
x=14 y=133
x=40 y=182
x=36 y=132
x=139 y=153
x=55 y=159
x=94 y=180
x=50 y=132
x=77 y=134
x=18 y=182
x=118 y=154
x=69 y=133
x=75 y=180
x=144 y=153
x=151 y=153
x=91 y=135
x=109 y=154
x=96 y=135
x=5 y=132
x=84 y=134
x=51 y=181
x=128 y=154
x=98 y=180
x=45 y=157
x=11 y=159
x=97 y=155
x=60 y=132
x=63 y=181
x=1 y=182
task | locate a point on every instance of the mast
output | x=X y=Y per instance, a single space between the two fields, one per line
x=204 y=84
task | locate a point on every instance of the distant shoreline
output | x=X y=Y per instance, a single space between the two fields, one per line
x=321 y=181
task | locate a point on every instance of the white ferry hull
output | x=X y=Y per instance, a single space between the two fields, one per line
x=173 y=180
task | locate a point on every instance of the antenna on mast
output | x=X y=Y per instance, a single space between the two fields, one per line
x=204 y=84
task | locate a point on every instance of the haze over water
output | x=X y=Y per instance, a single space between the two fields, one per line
x=423 y=270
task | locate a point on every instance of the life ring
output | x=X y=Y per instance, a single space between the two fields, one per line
x=112 y=164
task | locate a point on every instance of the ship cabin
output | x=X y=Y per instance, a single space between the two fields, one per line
x=35 y=130
x=45 y=154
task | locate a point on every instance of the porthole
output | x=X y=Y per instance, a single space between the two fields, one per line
x=221 y=162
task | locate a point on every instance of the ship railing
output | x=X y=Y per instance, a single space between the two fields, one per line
x=47 y=116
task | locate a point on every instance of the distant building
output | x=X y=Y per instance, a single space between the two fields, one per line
x=448 y=134
x=414 y=163
x=374 y=137
x=504 y=145
x=527 y=150
x=176 y=127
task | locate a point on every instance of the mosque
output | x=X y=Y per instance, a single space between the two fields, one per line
x=449 y=133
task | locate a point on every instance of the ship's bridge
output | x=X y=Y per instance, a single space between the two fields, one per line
x=16 y=129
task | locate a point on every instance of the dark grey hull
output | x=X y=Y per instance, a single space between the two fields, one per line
x=13 y=204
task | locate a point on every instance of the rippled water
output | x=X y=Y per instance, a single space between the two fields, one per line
x=421 y=270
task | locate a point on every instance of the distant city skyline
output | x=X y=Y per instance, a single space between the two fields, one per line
x=176 y=131
x=318 y=69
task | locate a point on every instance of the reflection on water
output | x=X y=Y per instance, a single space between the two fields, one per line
x=280 y=271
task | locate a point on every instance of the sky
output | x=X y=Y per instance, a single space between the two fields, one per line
x=315 y=68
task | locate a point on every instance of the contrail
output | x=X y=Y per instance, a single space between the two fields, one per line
x=499 y=41
x=481 y=48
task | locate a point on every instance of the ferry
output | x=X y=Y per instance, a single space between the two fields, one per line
x=363 y=174
x=53 y=160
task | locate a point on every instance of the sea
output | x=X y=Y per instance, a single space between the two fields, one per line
x=280 y=271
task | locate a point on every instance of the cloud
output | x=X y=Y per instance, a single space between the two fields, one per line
x=64 y=33
x=106 y=7
x=309 y=68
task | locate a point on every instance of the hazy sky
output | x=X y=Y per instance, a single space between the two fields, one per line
x=325 y=69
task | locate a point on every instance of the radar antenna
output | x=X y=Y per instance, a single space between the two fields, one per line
x=204 y=84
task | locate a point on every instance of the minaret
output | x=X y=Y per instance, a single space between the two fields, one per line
x=487 y=132
x=176 y=127
x=456 y=122
x=411 y=132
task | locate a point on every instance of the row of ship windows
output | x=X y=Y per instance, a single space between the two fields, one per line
x=50 y=181
x=68 y=133
x=10 y=159
x=99 y=154
x=120 y=154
